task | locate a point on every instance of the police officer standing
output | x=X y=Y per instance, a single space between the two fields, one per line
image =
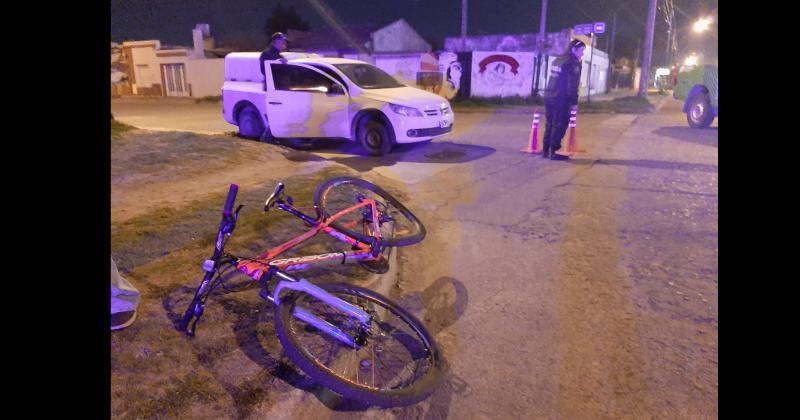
x=277 y=45
x=561 y=96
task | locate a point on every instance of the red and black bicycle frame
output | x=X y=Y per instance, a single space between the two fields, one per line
x=257 y=267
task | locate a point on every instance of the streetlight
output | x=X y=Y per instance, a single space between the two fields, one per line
x=690 y=60
x=702 y=25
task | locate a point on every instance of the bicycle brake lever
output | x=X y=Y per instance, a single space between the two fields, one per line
x=274 y=197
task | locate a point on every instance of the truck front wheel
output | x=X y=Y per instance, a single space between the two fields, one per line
x=373 y=136
x=699 y=113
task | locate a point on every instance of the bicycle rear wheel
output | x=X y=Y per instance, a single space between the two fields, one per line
x=399 y=226
x=399 y=364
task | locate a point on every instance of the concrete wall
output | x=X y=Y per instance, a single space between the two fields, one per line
x=144 y=70
x=205 y=76
x=555 y=43
x=404 y=67
x=363 y=57
x=502 y=73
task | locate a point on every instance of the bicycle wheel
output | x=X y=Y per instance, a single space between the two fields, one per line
x=399 y=227
x=399 y=364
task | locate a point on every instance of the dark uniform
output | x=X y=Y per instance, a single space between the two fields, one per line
x=559 y=97
x=270 y=53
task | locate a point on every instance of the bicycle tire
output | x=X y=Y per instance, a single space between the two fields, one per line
x=417 y=342
x=338 y=193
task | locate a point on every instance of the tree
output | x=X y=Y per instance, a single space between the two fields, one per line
x=668 y=9
x=283 y=19
x=241 y=41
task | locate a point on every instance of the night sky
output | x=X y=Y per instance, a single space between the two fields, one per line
x=172 y=21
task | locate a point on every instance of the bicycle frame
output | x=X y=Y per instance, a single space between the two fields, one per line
x=256 y=267
x=265 y=266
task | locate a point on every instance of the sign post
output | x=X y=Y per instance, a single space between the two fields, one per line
x=590 y=29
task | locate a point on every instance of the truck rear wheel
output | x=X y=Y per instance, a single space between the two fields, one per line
x=699 y=113
x=250 y=124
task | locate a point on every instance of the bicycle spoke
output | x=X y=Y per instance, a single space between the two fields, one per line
x=390 y=351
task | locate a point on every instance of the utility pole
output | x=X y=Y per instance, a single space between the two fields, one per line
x=589 y=76
x=540 y=48
x=611 y=52
x=648 y=50
x=463 y=25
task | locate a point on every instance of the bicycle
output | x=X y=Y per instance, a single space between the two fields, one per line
x=349 y=339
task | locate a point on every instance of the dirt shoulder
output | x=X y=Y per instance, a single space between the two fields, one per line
x=167 y=192
x=188 y=167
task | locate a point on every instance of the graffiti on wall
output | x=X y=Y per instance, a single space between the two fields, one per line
x=442 y=73
x=502 y=73
x=451 y=70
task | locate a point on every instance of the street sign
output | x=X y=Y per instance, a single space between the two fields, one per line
x=599 y=27
x=589 y=28
x=584 y=29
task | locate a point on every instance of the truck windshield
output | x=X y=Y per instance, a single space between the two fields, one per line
x=368 y=77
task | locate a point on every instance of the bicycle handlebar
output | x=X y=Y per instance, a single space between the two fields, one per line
x=226 y=211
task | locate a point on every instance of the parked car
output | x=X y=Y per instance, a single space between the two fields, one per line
x=697 y=87
x=309 y=97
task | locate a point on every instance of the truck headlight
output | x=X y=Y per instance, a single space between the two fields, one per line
x=404 y=110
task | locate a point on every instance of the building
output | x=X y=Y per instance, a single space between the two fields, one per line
x=153 y=69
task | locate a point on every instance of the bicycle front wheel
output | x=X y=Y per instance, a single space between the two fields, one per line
x=398 y=225
x=398 y=364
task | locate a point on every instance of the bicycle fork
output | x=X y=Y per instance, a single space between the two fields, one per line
x=303 y=285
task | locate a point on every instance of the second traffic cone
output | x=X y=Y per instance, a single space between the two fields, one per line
x=533 y=144
x=572 y=143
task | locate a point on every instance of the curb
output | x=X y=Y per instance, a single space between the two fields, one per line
x=382 y=283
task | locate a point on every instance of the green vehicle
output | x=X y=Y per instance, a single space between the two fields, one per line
x=697 y=87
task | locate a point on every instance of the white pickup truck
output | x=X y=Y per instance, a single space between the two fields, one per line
x=309 y=97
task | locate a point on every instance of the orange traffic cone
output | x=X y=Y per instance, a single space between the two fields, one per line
x=533 y=144
x=572 y=143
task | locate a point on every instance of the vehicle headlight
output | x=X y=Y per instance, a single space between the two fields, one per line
x=404 y=110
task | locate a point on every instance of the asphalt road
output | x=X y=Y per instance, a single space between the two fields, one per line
x=578 y=289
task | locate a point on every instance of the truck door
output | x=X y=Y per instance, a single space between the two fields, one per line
x=304 y=102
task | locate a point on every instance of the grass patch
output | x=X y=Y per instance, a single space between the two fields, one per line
x=118 y=128
x=160 y=252
x=209 y=99
x=477 y=102
x=159 y=233
x=168 y=155
x=624 y=105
